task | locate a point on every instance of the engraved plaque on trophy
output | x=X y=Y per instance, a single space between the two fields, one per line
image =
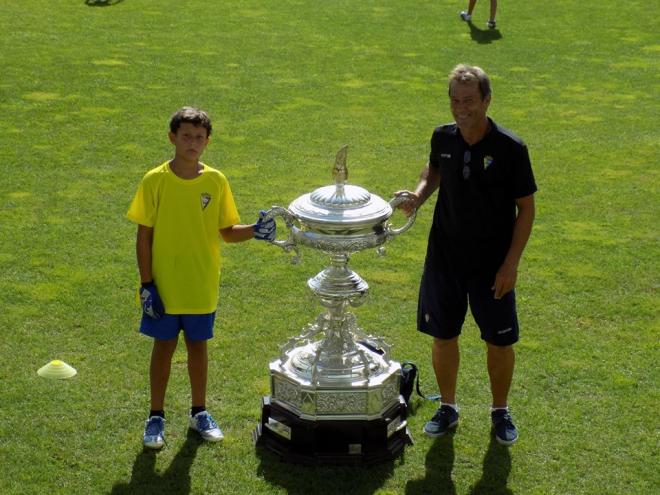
x=334 y=389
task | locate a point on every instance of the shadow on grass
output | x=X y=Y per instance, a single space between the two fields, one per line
x=102 y=3
x=439 y=464
x=144 y=479
x=496 y=469
x=298 y=479
x=484 y=36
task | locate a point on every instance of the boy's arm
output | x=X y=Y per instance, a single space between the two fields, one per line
x=237 y=233
x=152 y=304
x=263 y=230
x=143 y=243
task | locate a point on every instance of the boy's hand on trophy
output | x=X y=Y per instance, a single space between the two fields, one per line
x=264 y=230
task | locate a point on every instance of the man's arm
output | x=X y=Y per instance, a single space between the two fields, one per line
x=505 y=279
x=429 y=181
x=145 y=236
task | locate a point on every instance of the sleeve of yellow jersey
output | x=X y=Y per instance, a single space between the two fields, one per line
x=228 y=213
x=143 y=206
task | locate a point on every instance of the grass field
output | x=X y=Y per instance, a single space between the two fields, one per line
x=86 y=91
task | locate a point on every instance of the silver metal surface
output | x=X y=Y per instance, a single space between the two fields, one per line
x=333 y=370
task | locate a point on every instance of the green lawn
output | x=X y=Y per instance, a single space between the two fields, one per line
x=86 y=91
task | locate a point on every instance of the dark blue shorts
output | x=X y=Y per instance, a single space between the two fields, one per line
x=443 y=303
x=195 y=327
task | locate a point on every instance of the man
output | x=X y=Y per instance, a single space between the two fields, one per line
x=483 y=218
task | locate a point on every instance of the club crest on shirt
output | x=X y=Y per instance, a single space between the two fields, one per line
x=206 y=199
x=488 y=161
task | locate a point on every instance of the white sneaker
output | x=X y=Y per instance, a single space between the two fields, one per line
x=465 y=16
x=204 y=423
x=491 y=24
x=154 y=433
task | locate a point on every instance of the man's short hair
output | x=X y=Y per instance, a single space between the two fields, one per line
x=463 y=73
x=193 y=116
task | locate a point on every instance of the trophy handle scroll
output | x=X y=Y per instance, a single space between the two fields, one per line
x=394 y=202
x=288 y=244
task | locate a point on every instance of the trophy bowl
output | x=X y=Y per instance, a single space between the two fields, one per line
x=340 y=218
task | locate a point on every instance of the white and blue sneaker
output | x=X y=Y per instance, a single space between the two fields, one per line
x=465 y=16
x=154 y=433
x=205 y=425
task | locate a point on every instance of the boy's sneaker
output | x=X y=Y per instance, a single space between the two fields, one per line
x=204 y=423
x=491 y=24
x=465 y=16
x=444 y=419
x=505 y=431
x=154 y=432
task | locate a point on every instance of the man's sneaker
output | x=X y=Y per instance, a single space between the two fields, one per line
x=204 y=423
x=505 y=430
x=154 y=432
x=465 y=16
x=491 y=24
x=444 y=419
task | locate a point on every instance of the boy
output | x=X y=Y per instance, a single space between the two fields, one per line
x=182 y=207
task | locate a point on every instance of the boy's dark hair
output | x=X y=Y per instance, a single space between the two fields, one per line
x=193 y=116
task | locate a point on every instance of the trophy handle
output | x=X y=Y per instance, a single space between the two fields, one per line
x=287 y=244
x=394 y=202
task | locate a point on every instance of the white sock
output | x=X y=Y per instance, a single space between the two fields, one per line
x=505 y=408
x=453 y=406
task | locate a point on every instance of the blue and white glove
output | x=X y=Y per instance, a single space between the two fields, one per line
x=264 y=230
x=152 y=305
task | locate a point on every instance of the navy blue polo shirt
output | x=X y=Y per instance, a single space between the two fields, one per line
x=475 y=210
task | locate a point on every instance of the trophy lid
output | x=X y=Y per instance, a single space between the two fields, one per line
x=341 y=204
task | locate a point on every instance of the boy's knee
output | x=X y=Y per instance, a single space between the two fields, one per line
x=196 y=345
x=167 y=344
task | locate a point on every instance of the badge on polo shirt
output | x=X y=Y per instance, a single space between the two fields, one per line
x=488 y=161
x=205 y=199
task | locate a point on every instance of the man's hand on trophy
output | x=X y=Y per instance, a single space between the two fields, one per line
x=264 y=230
x=411 y=203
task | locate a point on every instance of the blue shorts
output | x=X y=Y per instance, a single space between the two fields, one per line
x=195 y=327
x=443 y=303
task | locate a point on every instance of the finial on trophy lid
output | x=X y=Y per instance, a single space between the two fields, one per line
x=339 y=171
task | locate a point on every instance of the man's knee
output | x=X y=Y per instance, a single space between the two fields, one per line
x=444 y=343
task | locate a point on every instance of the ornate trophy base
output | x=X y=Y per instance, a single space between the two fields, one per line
x=332 y=441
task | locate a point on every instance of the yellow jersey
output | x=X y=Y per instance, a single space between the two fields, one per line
x=186 y=215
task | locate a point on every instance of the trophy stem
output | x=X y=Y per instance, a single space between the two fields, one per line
x=338 y=283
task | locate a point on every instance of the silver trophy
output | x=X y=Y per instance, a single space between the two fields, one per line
x=334 y=389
